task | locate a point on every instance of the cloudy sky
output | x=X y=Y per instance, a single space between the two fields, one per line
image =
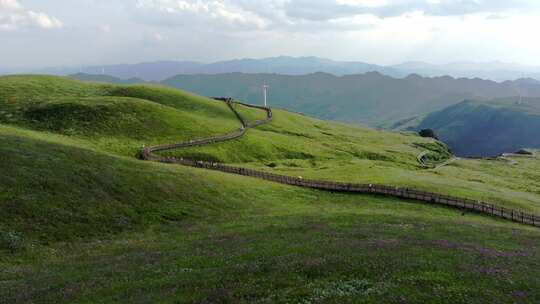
x=38 y=33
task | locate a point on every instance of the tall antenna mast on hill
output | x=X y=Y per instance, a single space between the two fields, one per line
x=265 y=92
x=265 y=86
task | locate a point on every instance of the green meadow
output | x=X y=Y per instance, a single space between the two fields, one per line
x=84 y=221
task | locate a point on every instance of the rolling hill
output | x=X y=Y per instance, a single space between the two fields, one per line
x=85 y=221
x=479 y=128
x=422 y=94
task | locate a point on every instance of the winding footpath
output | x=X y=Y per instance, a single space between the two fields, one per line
x=149 y=153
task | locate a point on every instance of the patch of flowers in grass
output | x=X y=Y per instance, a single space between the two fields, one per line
x=340 y=289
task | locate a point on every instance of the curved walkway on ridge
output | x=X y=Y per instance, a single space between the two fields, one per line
x=148 y=153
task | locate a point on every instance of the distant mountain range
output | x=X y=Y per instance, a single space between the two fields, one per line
x=371 y=98
x=105 y=78
x=497 y=71
x=160 y=70
x=479 y=128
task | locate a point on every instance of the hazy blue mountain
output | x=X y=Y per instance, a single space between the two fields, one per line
x=370 y=98
x=156 y=71
x=150 y=71
x=497 y=71
x=480 y=128
x=466 y=66
x=105 y=78
x=296 y=66
x=160 y=70
x=6 y=71
x=527 y=81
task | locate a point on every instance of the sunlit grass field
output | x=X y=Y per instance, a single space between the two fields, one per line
x=84 y=221
x=301 y=146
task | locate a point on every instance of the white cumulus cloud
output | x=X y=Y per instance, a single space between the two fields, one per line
x=219 y=12
x=14 y=16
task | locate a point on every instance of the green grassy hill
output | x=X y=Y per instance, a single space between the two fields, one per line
x=301 y=146
x=480 y=128
x=112 y=118
x=84 y=221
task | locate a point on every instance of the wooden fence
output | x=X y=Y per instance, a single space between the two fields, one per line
x=406 y=193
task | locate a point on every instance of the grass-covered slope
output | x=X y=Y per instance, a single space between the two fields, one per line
x=85 y=222
x=479 y=128
x=297 y=145
x=158 y=233
x=54 y=188
x=119 y=119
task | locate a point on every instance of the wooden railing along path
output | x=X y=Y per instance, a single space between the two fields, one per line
x=428 y=197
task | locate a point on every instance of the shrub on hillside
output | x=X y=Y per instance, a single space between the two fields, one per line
x=11 y=241
x=524 y=152
x=428 y=133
